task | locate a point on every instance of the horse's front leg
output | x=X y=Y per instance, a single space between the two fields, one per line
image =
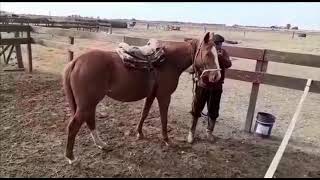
x=198 y=104
x=164 y=102
x=192 y=129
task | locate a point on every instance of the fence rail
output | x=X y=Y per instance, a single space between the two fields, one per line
x=272 y=79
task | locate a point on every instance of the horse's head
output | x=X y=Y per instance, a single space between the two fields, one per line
x=205 y=58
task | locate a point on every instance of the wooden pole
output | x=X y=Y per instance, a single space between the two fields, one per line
x=29 y=51
x=71 y=52
x=9 y=55
x=292 y=35
x=4 y=54
x=19 y=69
x=261 y=66
x=4 y=49
x=275 y=162
x=252 y=101
x=18 y=52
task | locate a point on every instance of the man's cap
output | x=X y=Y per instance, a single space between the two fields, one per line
x=218 y=38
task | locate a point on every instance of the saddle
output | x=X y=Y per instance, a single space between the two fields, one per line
x=142 y=57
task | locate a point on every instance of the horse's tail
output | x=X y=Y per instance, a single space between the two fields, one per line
x=67 y=86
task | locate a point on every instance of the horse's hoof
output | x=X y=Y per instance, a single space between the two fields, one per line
x=210 y=137
x=167 y=142
x=190 y=138
x=140 y=136
x=71 y=161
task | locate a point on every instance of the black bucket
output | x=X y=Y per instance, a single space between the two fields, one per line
x=264 y=124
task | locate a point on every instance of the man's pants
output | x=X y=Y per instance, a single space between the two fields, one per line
x=212 y=98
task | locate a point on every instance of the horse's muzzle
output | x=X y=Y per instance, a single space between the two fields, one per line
x=213 y=75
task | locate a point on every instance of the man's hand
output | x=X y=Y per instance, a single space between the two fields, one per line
x=225 y=59
x=220 y=54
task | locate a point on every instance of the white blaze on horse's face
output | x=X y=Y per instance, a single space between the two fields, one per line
x=215 y=74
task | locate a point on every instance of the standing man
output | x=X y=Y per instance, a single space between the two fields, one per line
x=210 y=93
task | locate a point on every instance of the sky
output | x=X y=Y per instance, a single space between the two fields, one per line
x=304 y=15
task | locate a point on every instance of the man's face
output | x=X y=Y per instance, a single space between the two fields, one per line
x=218 y=45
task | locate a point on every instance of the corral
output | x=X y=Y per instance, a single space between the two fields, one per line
x=34 y=116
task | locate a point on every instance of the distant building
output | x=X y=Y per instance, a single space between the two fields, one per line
x=288 y=26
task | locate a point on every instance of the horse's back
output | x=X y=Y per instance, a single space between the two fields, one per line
x=105 y=70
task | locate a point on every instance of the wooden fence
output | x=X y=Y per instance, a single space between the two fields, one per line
x=90 y=26
x=16 y=42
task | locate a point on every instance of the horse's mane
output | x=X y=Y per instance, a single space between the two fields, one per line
x=193 y=42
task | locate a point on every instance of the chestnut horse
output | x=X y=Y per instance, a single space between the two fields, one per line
x=91 y=76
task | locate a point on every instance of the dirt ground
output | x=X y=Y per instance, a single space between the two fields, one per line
x=34 y=115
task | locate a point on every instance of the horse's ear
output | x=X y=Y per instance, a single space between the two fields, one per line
x=211 y=35
x=206 y=38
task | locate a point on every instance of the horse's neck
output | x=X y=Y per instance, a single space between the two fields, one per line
x=182 y=53
x=189 y=51
x=187 y=62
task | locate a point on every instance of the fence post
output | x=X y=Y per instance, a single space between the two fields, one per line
x=292 y=35
x=261 y=66
x=3 y=51
x=110 y=29
x=29 y=51
x=18 y=52
x=71 y=52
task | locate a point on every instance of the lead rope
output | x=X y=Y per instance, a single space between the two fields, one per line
x=195 y=78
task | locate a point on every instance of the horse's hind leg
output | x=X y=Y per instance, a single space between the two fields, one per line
x=91 y=123
x=77 y=120
x=73 y=128
x=145 y=112
x=164 y=102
